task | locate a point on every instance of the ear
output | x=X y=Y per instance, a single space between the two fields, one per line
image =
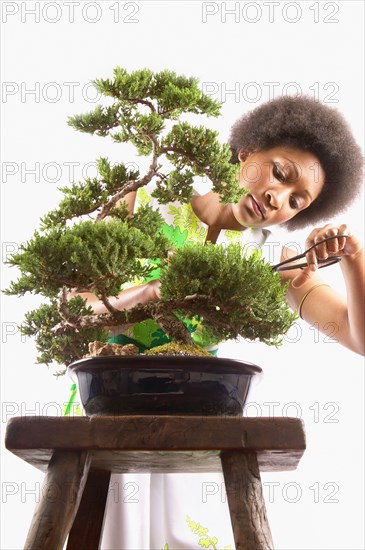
x=243 y=155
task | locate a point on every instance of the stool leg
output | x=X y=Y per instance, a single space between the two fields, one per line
x=251 y=529
x=88 y=526
x=61 y=493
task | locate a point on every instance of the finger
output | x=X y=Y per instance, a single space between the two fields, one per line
x=342 y=230
x=315 y=235
x=326 y=246
x=318 y=230
x=312 y=260
x=332 y=244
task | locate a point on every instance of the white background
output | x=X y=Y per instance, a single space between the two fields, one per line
x=315 y=46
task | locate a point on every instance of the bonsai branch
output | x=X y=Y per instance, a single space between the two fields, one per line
x=68 y=318
x=142 y=102
x=133 y=185
x=189 y=156
x=161 y=311
x=107 y=304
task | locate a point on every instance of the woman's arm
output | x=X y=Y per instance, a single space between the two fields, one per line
x=126 y=299
x=342 y=320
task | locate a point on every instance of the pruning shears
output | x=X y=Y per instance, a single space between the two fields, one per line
x=292 y=263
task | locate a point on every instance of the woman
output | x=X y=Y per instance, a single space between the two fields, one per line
x=301 y=165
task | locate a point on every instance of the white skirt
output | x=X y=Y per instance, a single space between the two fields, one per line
x=167 y=512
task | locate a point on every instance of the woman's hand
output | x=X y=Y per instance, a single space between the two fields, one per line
x=346 y=247
x=325 y=307
x=341 y=246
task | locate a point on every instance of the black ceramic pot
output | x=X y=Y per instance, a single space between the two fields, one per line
x=146 y=384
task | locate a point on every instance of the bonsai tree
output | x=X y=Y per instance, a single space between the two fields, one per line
x=91 y=243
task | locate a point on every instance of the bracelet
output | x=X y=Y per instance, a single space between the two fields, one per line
x=306 y=295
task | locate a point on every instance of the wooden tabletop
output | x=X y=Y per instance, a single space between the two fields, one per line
x=158 y=443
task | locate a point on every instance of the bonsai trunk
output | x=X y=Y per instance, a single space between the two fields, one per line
x=173 y=326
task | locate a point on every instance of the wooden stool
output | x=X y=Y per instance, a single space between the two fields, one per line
x=79 y=454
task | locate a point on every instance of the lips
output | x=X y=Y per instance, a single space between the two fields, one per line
x=258 y=208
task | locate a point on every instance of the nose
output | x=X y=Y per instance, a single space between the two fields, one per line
x=276 y=197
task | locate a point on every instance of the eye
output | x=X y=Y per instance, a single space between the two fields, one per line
x=277 y=173
x=294 y=203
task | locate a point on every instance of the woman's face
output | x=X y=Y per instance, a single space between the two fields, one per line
x=281 y=182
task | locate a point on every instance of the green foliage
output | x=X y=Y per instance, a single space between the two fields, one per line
x=85 y=197
x=195 y=151
x=98 y=121
x=164 y=94
x=143 y=102
x=149 y=222
x=176 y=186
x=62 y=348
x=171 y=95
x=244 y=296
x=95 y=256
